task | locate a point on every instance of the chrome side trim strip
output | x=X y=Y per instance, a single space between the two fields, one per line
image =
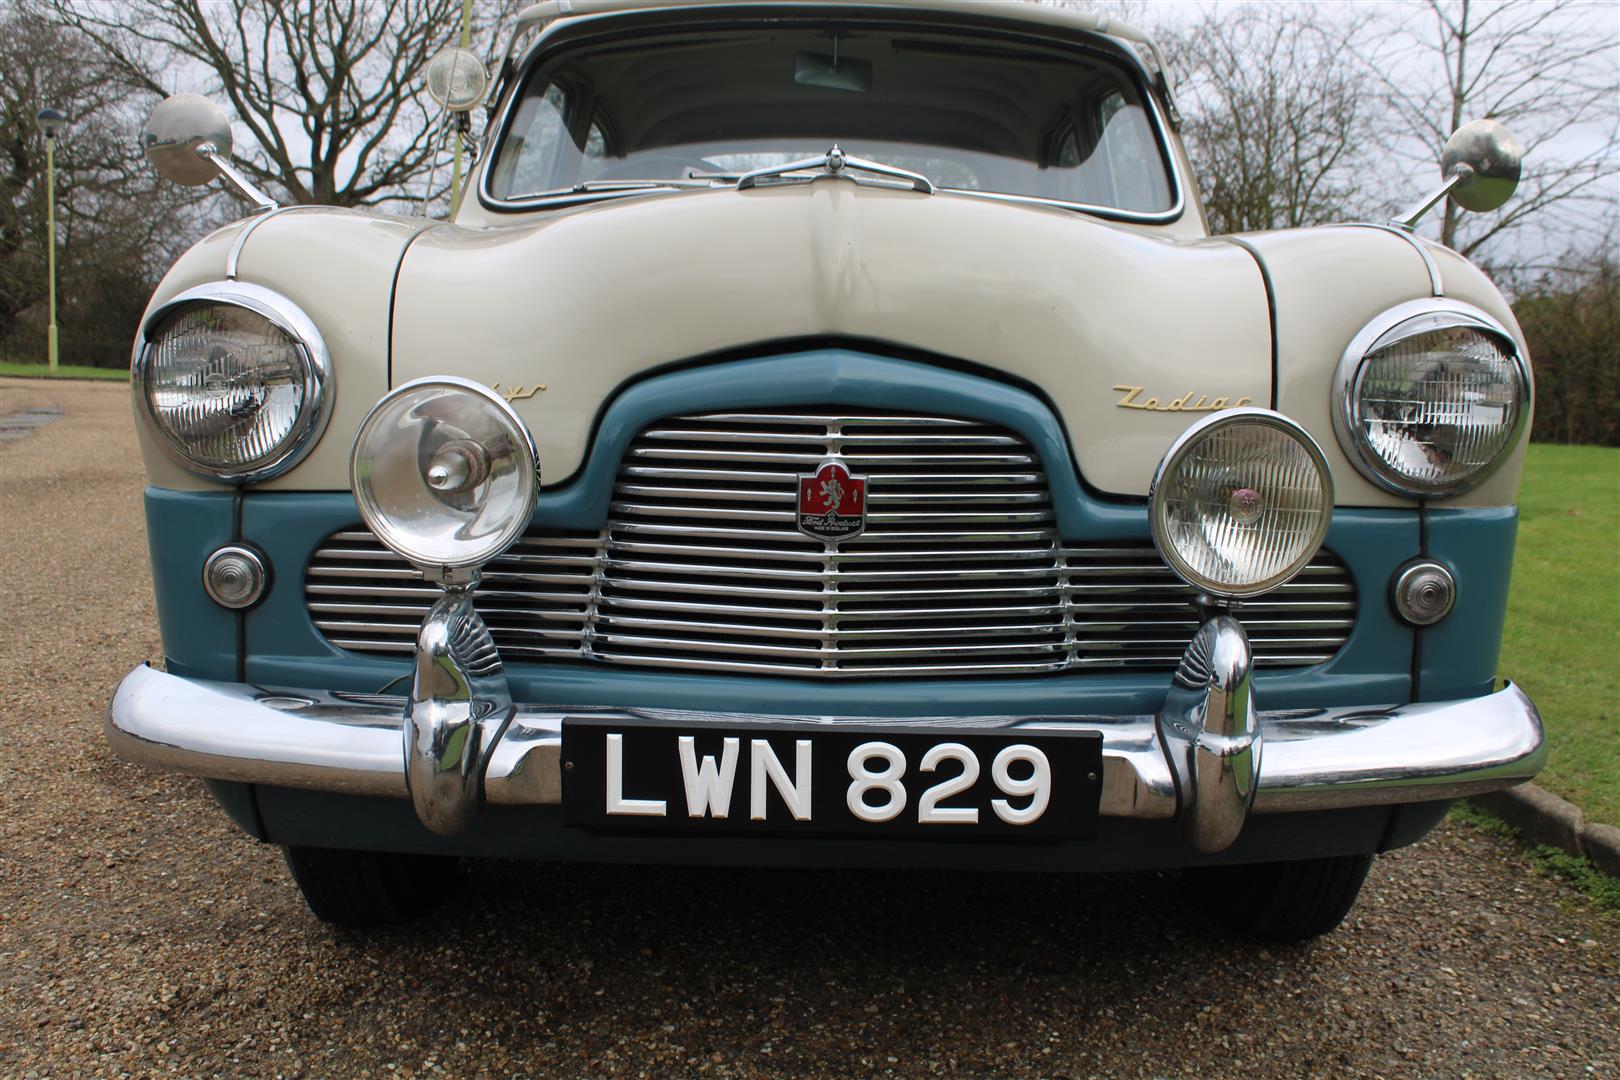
x=1314 y=759
x=1437 y=284
x=233 y=258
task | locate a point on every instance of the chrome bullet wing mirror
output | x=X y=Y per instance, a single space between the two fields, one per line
x=1487 y=160
x=188 y=140
x=1480 y=167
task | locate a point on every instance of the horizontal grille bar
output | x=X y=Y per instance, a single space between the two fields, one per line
x=701 y=566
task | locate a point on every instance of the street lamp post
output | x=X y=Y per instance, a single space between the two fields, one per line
x=50 y=122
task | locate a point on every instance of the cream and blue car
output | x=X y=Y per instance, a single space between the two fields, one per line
x=826 y=434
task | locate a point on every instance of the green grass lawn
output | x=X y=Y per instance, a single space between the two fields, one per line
x=1562 y=642
x=63 y=371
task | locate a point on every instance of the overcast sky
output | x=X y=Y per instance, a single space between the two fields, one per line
x=1408 y=175
x=1582 y=22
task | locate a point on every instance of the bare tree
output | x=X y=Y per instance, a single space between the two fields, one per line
x=117 y=225
x=329 y=93
x=1547 y=70
x=1276 y=123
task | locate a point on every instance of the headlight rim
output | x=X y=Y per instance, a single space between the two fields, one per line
x=1396 y=324
x=284 y=315
x=1225 y=418
x=436 y=569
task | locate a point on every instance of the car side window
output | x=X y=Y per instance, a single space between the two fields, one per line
x=1135 y=179
x=596 y=152
x=538 y=144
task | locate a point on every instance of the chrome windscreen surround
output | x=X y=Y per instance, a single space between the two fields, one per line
x=1397 y=324
x=555 y=35
x=701 y=566
x=292 y=320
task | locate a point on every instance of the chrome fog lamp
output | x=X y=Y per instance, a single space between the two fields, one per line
x=446 y=474
x=1430 y=397
x=234 y=380
x=1241 y=502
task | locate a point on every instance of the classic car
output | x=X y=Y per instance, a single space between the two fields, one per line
x=923 y=485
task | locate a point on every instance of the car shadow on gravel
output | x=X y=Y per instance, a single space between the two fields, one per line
x=798 y=956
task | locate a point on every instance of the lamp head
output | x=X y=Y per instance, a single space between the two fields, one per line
x=51 y=121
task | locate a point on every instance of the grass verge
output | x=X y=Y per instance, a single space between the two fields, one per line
x=1562 y=641
x=63 y=371
x=1600 y=888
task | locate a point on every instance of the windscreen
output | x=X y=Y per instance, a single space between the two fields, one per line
x=975 y=114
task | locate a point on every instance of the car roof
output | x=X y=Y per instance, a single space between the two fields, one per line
x=1067 y=18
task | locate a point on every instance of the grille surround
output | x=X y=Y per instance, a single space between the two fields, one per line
x=701 y=566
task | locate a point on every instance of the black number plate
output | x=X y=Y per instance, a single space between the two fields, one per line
x=859 y=781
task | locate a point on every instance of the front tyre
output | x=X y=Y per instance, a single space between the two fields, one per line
x=1282 y=901
x=369 y=888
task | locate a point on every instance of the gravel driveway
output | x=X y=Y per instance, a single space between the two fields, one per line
x=140 y=934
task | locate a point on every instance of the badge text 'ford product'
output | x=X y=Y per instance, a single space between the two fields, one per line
x=832 y=503
x=1191 y=401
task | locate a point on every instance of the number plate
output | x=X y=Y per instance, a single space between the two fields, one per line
x=858 y=781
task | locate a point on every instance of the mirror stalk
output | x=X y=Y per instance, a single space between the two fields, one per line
x=234 y=176
x=1411 y=217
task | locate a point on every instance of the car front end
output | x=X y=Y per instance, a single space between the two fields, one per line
x=922 y=486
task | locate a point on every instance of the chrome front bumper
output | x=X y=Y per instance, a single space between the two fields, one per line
x=1206 y=760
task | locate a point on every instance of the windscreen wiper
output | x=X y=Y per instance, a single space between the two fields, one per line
x=589 y=186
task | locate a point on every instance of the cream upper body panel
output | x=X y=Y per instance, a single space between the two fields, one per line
x=338 y=266
x=1332 y=281
x=586 y=300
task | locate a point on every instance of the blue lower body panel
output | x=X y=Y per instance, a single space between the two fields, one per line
x=322 y=819
x=1385 y=661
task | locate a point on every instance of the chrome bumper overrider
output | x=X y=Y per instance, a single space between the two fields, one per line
x=1207 y=760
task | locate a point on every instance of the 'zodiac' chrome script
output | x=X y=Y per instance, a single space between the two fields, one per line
x=1184 y=403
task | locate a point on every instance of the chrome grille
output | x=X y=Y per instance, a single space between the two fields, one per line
x=701 y=566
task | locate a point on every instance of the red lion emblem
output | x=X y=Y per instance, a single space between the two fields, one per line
x=832 y=502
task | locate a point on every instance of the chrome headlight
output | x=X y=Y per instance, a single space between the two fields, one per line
x=1241 y=502
x=1430 y=397
x=234 y=380
x=445 y=473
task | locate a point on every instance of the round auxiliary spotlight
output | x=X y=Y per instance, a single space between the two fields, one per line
x=456 y=78
x=445 y=474
x=1241 y=502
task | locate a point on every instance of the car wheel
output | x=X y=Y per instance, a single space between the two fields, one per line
x=1282 y=901
x=369 y=888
